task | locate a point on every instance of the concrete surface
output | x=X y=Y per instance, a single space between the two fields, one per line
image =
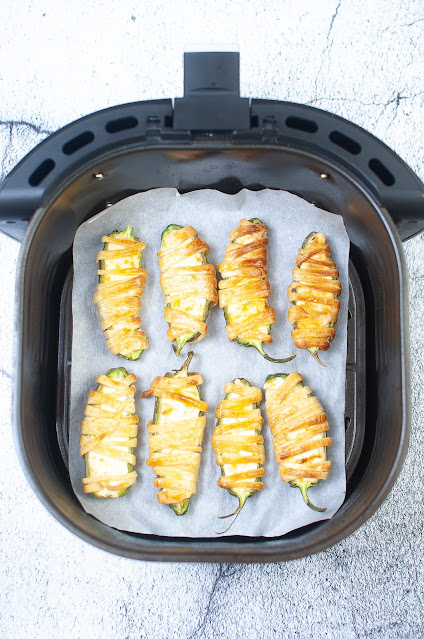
x=60 y=60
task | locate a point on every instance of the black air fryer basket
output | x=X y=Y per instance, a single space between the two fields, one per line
x=212 y=138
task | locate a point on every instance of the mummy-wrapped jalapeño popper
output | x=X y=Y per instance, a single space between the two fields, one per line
x=313 y=295
x=109 y=435
x=238 y=443
x=175 y=435
x=244 y=288
x=299 y=428
x=188 y=283
x=119 y=291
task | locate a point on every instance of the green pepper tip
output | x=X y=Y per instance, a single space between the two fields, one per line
x=181 y=508
x=273 y=375
x=117 y=373
x=308 y=238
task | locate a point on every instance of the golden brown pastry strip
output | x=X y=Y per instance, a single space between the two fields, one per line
x=238 y=443
x=240 y=283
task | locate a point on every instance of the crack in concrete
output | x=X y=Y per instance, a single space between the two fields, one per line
x=396 y=99
x=392 y=27
x=354 y=624
x=233 y=572
x=410 y=24
x=328 y=45
x=12 y=125
x=7 y=149
x=4 y=373
x=24 y=123
x=334 y=16
x=209 y=604
x=222 y=574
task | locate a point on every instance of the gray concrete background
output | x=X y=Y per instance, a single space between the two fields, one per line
x=61 y=60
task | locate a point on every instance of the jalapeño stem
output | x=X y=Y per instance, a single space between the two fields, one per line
x=184 y=367
x=314 y=352
x=259 y=347
x=235 y=514
x=303 y=486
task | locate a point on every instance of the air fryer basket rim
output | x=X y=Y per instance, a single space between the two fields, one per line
x=233 y=552
x=152 y=124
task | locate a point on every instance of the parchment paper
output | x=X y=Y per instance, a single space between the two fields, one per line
x=278 y=508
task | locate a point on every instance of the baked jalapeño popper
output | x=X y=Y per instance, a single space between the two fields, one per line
x=109 y=435
x=175 y=435
x=188 y=283
x=313 y=295
x=244 y=288
x=238 y=443
x=299 y=428
x=119 y=291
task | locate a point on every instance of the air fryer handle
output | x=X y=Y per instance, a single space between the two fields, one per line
x=212 y=99
x=16 y=210
x=406 y=207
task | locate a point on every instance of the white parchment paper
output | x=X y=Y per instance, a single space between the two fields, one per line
x=278 y=508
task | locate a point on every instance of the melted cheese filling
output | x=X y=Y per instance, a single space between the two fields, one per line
x=119 y=265
x=193 y=305
x=99 y=464
x=171 y=410
x=246 y=311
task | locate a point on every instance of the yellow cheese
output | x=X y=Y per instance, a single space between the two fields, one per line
x=120 y=264
x=100 y=465
x=192 y=305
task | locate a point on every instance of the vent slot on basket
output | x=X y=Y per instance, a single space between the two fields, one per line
x=302 y=124
x=345 y=142
x=78 y=142
x=41 y=172
x=121 y=124
x=382 y=172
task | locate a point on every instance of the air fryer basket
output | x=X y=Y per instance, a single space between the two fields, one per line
x=215 y=139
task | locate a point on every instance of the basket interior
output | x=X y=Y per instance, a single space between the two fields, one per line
x=375 y=385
